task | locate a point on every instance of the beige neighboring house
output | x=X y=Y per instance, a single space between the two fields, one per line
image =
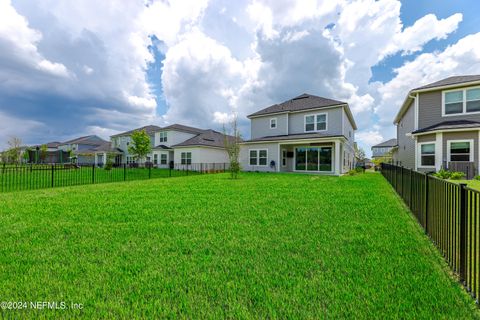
x=177 y=145
x=438 y=126
x=304 y=134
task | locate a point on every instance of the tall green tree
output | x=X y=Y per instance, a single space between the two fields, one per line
x=43 y=152
x=14 y=151
x=140 y=145
x=232 y=139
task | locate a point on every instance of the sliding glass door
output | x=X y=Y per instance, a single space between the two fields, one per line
x=313 y=159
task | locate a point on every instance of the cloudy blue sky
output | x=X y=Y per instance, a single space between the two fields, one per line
x=99 y=67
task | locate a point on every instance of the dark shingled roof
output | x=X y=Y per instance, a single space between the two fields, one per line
x=88 y=140
x=208 y=138
x=293 y=137
x=162 y=146
x=450 y=81
x=181 y=127
x=53 y=144
x=302 y=102
x=457 y=124
x=150 y=130
x=104 y=147
x=388 y=143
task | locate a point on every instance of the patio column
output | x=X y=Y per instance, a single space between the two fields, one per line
x=104 y=158
x=95 y=158
x=337 y=157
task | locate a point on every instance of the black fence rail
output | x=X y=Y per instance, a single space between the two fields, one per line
x=449 y=214
x=33 y=176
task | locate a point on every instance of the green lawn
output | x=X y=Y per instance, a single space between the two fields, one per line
x=263 y=246
x=40 y=176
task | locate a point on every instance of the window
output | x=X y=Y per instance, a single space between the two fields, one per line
x=461 y=101
x=284 y=158
x=149 y=159
x=130 y=159
x=453 y=102
x=313 y=159
x=321 y=122
x=163 y=158
x=460 y=150
x=473 y=100
x=163 y=136
x=427 y=155
x=258 y=157
x=186 y=157
x=310 y=123
x=317 y=122
x=155 y=159
x=273 y=123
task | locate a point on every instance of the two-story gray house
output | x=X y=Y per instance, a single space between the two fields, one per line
x=384 y=149
x=438 y=126
x=305 y=134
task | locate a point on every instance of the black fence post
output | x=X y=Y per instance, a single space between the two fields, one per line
x=463 y=232
x=410 y=189
x=425 y=199
x=149 y=171
x=170 y=172
x=53 y=173
x=93 y=173
x=401 y=182
x=124 y=172
x=224 y=167
x=187 y=169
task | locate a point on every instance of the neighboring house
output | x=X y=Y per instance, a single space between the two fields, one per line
x=83 y=148
x=123 y=140
x=384 y=149
x=53 y=146
x=304 y=134
x=177 y=144
x=438 y=126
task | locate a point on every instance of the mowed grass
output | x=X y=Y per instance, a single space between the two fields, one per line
x=263 y=246
x=42 y=176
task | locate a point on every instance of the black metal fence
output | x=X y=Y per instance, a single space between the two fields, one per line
x=33 y=176
x=449 y=214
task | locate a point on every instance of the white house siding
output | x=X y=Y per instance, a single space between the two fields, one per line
x=272 y=155
x=173 y=137
x=159 y=153
x=260 y=127
x=296 y=123
x=202 y=155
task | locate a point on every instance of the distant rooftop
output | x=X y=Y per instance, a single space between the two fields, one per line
x=150 y=130
x=208 y=138
x=388 y=143
x=93 y=140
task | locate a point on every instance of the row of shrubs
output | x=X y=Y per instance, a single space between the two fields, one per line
x=356 y=171
x=449 y=175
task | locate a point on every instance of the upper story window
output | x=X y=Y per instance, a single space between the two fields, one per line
x=273 y=123
x=316 y=122
x=461 y=101
x=163 y=136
